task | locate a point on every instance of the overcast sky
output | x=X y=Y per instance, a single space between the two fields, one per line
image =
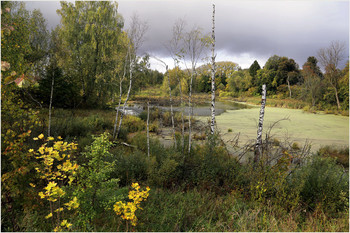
x=246 y=30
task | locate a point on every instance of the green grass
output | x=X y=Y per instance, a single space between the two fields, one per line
x=320 y=129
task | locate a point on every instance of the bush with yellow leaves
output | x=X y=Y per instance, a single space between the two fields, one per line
x=127 y=210
x=57 y=170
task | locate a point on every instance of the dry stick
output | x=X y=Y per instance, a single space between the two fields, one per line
x=50 y=107
x=258 y=146
x=213 y=69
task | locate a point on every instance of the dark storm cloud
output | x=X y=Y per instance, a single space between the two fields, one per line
x=48 y=9
x=296 y=29
x=245 y=30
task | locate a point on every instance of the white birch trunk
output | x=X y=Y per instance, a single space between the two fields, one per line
x=127 y=97
x=213 y=69
x=182 y=110
x=120 y=100
x=258 y=146
x=50 y=107
x=171 y=105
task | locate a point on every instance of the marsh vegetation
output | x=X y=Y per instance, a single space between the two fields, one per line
x=73 y=158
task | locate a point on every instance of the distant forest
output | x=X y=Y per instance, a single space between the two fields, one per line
x=86 y=56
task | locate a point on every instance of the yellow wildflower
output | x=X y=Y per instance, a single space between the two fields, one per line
x=41 y=136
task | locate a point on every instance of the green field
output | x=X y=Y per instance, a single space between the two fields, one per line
x=320 y=129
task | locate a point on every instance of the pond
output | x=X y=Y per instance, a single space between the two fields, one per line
x=299 y=126
x=319 y=129
x=203 y=109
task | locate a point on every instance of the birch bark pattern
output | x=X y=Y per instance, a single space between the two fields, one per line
x=127 y=98
x=120 y=99
x=258 y=146
x=50 y=107
x=148 y=128
x=213 y=69
x=171 y=105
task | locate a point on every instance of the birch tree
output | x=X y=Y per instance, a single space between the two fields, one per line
x=330 y=59
x=176 y=52
x=213 y=70
x=136 y=34
x=170 y=97
x=258 y=145
x=194 y=45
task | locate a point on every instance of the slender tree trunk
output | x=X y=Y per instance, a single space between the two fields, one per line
x=148 y=128
x=258 y=146
x=127 y=98
x=190 y=112
x=171 y=105
x=117 y=114
x=213 y=68
x=337 y=98
x=182 y=110
x=50 y=107
x=290 y=90
x=120 y=100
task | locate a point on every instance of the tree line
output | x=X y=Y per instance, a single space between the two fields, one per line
x=86 y=55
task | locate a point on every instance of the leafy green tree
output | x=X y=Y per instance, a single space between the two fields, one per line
x=254 y=68
x=312 y=86
x=330 y=59
x=90 y=32
x=17 y=121
x=344 y=87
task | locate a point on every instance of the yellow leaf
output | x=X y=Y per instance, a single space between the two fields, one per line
x=33 y=185
x=42 y=195
x=48 y=216
x=41 y=136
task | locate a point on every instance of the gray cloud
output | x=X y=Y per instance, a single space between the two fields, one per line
x=245 y=30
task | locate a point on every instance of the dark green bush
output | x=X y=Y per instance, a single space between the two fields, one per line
x=131 y=167
x=325 y=184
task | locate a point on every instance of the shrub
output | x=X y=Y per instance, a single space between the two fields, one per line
x=326 y=184
x=154 y=127
x=95 y=174
x=133 y=124
x=340 y=154
x=131 y=167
